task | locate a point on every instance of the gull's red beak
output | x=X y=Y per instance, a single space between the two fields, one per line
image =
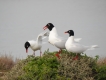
x=66 y=32
x=26 y=50
x=45 y=27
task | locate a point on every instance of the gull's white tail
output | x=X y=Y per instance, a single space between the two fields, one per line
x=93 y=47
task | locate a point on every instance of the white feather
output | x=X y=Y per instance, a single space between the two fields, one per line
x=58 y=41
x=74 y=47
x=37 y=44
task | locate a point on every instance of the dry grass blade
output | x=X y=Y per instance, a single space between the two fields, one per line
x=102 y=61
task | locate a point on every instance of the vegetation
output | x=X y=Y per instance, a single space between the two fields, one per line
x=6 y=63
x=49 y=67
x=101 y=69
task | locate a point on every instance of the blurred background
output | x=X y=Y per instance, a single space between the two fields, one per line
x=23 y=20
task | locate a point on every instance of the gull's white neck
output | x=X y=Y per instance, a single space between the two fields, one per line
x=71 y=39
x=54 y=31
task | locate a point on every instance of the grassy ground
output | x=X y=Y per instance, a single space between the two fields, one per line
x=60 y=69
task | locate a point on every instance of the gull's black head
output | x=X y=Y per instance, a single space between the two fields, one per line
x=27 y=44
x=71 y=32
x=49 y=26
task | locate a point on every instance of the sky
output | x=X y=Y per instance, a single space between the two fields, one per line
x=23 y=20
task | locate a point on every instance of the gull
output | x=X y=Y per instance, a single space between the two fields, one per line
x=55 y=39
x=72 y=46
x=36 y=44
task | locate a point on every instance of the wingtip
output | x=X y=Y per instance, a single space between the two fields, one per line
x=95 y=46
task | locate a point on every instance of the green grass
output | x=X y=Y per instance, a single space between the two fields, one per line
x=49 y=67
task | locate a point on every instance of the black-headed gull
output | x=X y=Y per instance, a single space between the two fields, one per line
x=56 y=40
x=36 y=45
x=74 y=47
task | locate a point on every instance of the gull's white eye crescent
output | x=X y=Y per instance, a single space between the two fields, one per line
x=48 y=24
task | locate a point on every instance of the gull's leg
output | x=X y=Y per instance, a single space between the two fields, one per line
x=57 y=54
x=40 y=53
x=34 y=53
x=76 y=57
x=60 y=51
